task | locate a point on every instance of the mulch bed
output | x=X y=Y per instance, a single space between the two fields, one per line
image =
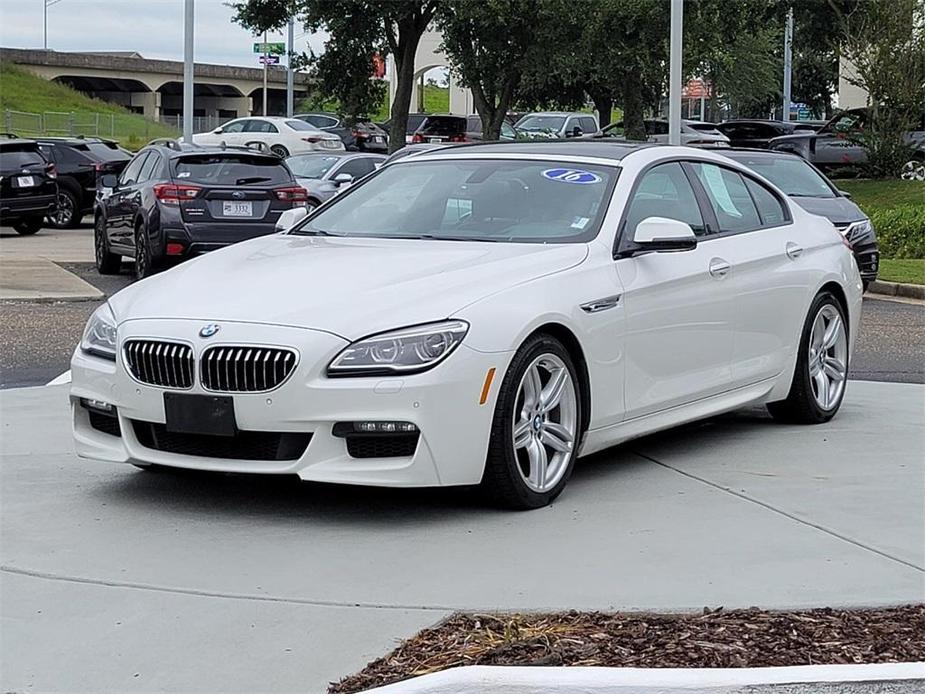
x=714 y=639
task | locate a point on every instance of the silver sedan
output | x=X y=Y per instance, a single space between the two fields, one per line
x=325 y=175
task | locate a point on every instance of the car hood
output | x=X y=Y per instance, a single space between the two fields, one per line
x=350 y=287
x=836 y=210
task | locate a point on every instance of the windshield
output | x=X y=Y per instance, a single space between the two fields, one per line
x=792 y=175
x=473 y=200
x=311 y=166
x=225 y=169
x=541 y=123
x=104 y=151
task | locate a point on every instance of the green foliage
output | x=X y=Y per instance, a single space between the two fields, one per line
x=897 y=210
x=885 y=41
x=906 y=271
x=20 y=90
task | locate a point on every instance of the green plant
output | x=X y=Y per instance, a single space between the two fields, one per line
x=900 y=230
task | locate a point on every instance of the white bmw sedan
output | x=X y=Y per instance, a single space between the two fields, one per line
x=478 y=315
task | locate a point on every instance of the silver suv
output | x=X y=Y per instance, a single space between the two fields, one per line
x=838 y=144
x=552 y=124
x=693 y=132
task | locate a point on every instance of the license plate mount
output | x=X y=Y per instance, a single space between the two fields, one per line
x=212 y=415
x=236 y=208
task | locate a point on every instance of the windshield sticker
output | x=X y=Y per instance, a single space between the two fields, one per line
x=716 y=184
x=580 y=222
x=572 y=176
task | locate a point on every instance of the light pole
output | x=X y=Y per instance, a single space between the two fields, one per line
x=188 y=71
x=264 y=112
x=788 y=65
x=674 y=73
x=289 y=76
x=47 y=4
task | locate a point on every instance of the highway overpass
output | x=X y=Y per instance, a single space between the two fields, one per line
x=154 y=88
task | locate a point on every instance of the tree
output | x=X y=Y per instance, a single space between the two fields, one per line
x=490 y=44
x=884 y=40
x=358 y=29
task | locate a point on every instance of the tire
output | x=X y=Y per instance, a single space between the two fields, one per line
x=913 y=170
x=511 y=478
x=67 y=211
x=107 y=263
x=28 y=226
x=280 y=151
x=817 y=370
x=310 y=205
x=144 y=264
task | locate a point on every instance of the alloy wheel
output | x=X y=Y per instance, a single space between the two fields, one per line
x=913 y=170
x=828 y=357
x=545 y=422
x=64 y=210
x=99 y=244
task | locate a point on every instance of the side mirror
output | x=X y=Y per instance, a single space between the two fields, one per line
x=342 y=178
x=109 y=181
x=574 y=132
x=290 y=218
x=663 y=235
x=218 y=131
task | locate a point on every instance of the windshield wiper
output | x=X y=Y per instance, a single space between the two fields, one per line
x=252 y=179
x=314 y=232
x=441 y=237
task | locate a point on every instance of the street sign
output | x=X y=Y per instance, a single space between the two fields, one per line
x=271 y=48
x=268 y=59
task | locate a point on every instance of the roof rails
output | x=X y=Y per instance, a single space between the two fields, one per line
x=9 y=136
x=170 y=142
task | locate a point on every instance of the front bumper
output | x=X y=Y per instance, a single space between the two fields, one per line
x=443 y=403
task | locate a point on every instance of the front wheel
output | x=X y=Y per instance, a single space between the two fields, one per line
x=29 y=226
x=821 y=373
x=913 y=170
x=536 y=428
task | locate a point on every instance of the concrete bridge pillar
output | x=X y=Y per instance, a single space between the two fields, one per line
x=150 y=103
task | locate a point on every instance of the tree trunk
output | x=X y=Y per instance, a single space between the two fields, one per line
x=603 y=103
x=404 y=68
x=633 y=126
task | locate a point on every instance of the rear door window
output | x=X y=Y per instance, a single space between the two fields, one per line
x=588 y=125
x=260 y=126
x=770 y=209
x=230 y=170
x=357 y=167
x=131 y=172
x=148 y=169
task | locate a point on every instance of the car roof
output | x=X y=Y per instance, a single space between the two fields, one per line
x=75 y=140
x=551 y=148
x=175 y=150
x=556 y=113
x=16 y=141
x=754 y=151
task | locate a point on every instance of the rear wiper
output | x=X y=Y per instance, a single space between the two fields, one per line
x=252 y=179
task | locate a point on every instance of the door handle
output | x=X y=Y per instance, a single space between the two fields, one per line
x=719 y=268
x=793 y=250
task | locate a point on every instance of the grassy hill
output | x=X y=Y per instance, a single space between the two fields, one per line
x=22 y=92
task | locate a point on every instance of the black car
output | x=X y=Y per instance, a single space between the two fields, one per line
x=815 y=193
x=360 y=136
x=441 y=127
x=79 y=162
x=174 y=201
x=758 y=133
x=28 y=187
x=415 y=121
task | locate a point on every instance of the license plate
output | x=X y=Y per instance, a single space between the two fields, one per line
x=330 y=144
x=378 y=139
x=237 y=209
x=436 y=139
x=200 y=414
x=25 y=181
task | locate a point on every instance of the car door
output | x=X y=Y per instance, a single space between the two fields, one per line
x=357 y=167
x=121 y=202
x=755 y=232
x=679 y=310
x=233 y=132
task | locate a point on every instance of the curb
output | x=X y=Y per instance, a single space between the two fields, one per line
x=909 y=291
x=603 y=680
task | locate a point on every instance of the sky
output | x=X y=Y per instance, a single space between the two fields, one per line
x=153 y=28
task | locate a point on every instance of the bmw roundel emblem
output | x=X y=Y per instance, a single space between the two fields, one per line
x=209 y=330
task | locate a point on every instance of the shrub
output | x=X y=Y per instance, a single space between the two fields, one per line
x=900 y=230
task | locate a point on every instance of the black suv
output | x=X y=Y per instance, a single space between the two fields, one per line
x=174 y=201
x=79 y=162
x=27 y=185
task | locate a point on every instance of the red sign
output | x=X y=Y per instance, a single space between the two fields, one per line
x=378 y=66
x=695 y=89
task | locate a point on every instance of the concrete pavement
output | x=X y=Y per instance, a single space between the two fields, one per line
x=29 y=270
x=202 y=582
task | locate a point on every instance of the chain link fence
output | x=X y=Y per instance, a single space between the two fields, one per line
x=125 y=127
x=201 y=124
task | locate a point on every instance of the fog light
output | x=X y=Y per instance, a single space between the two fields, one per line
x=346 y=428
x=175 y=248
x=97 y=405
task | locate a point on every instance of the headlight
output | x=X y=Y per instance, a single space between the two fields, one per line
x=858 y=230
x=408 y=350
x=99 y=336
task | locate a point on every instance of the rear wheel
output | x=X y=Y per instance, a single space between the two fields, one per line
x=144 y=265
x=536 y=428
x=821 y=373
x=28 y=226
x=913 y=170
x=280 y=151
x=66 y=214
x=106 y=263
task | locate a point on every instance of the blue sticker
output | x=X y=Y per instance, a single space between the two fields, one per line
x=578 y=176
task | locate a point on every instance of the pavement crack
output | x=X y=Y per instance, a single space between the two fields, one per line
x=785 y=514
x=33 y=573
